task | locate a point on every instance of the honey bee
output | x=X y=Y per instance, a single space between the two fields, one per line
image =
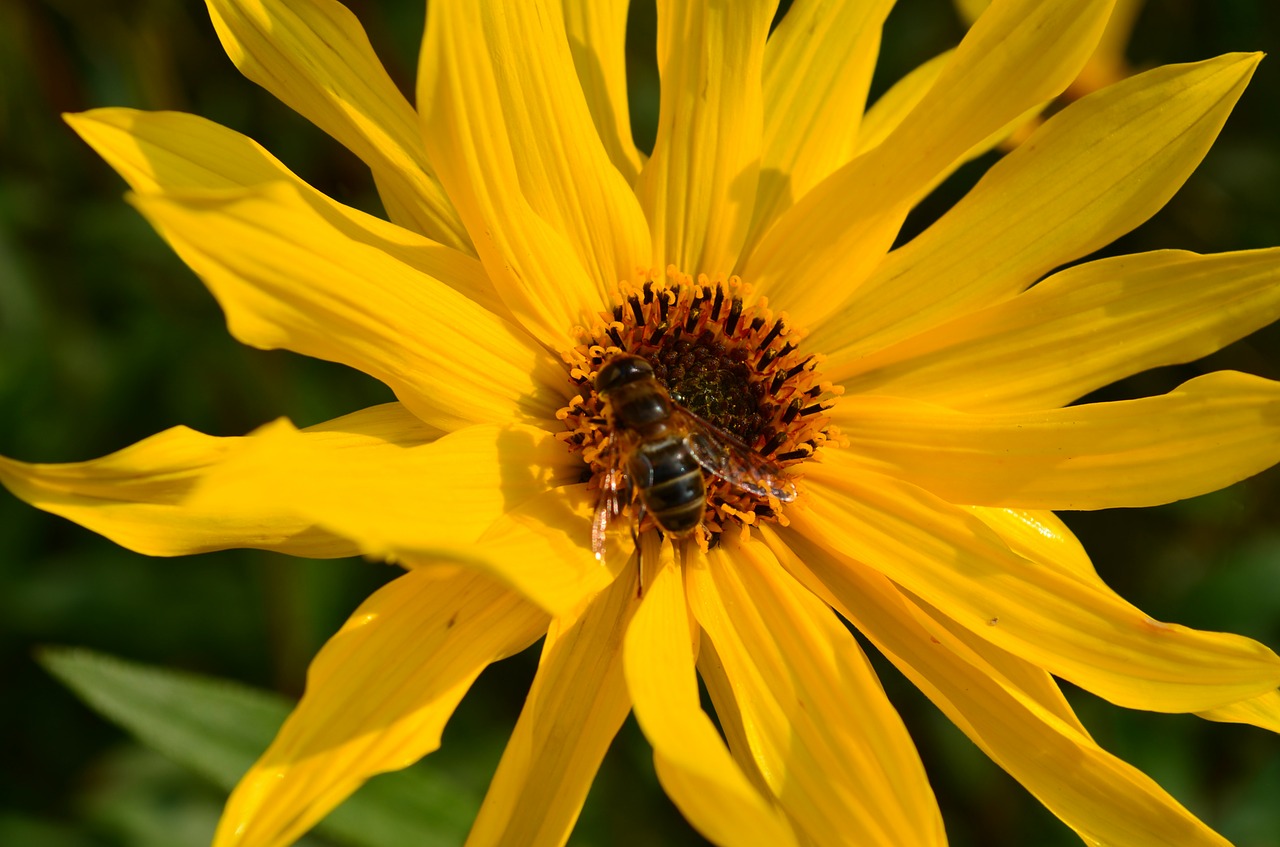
x=659 y=453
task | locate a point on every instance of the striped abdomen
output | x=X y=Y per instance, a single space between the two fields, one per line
x=675 y=494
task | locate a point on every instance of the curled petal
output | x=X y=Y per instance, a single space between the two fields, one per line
x=699 y=187
x=575 y=707
x=288 y=278
x=139 y=497
x=825 y=738
x=1208 y=433
x=505 y=117
x=839 y=232
x=1104 y=799
x=817 y=69
x=159 y=152
x=1092 y=173
x=315 y=56
x=486 y=496
x=1077 y=331
x=1069 y=627
x=693 y=764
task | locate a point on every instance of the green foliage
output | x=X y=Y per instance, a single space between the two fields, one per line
x=217 y=729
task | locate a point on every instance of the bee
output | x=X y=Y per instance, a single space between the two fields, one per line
x=659 y=453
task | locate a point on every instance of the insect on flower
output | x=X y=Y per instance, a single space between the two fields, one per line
x=658 y=453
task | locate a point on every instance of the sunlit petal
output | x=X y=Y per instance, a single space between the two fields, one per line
x=1070 y=628
x=315 y=56
x=836 y=234
x=1208 y=433
x=831 y=747
x=597 y=31
x=484 y=495
x=504 y=116
x=699 y=187
x=378 y=696
x=1101 y=797
x=158 y=152
x=1093 y=172
x=287 y=278
x=1077 y=331
x=575 y=707
x=817 y=69
x=139 y=497
x=696 y=769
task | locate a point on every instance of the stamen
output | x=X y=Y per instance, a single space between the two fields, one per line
x=738 y=368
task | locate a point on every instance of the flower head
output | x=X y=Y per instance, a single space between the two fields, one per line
x=916 y=398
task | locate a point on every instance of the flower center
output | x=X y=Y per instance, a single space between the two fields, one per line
x=737 y=367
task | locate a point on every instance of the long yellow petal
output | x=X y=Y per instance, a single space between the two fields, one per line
x=1073 y=629
x=315 y=56
x=838 y=233
x=287 y=278
x=831 y=746
x=817 y=69
x=597 y=31
x=484 y=495
x=1092 y=173
x=505 y=118
x=699 y=187
x=1104 y=799
x=575 y=707
x=138 y=497
x=892 y=107
x=1042 y=538
x=1077 y=331
x=695 y=768
x=158 y=152
x=1261 y=711
x=1206 y=434
x=378 y=696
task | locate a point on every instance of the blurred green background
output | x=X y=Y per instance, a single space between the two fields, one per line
x=106 y=338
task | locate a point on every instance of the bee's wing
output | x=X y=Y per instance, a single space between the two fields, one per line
x=728 y=458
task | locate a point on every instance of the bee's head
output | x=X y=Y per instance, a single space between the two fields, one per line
x=621 y=370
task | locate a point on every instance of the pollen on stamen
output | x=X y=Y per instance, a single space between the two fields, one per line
x=723 y=355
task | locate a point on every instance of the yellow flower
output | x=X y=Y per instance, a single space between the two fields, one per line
x=530 y=241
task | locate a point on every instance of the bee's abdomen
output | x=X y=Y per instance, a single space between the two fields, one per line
x=676 y=495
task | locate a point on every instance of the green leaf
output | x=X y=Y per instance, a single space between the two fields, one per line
x=218 y=729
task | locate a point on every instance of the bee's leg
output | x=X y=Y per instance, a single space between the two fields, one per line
x=637 y=517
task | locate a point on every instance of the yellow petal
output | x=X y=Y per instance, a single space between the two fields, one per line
x=287 y=278
x=894 y=105
x=173 y=152
x=1017 y=56
x=1075 y=630
x=1261 y=711
x=484 y=496
x=1101 y=797
x=575 y=707
x=1107 y=65
x=699 y=187
x=830 y=745
x=817 y=69
x=378 y=696
x=1077 y=331
x=315 y=56
x=506 y=120
x=597 y=31
x=1043 y=538
x=138 y=497
x=693 y=764
x=1206 y=434
x=1092 y=173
